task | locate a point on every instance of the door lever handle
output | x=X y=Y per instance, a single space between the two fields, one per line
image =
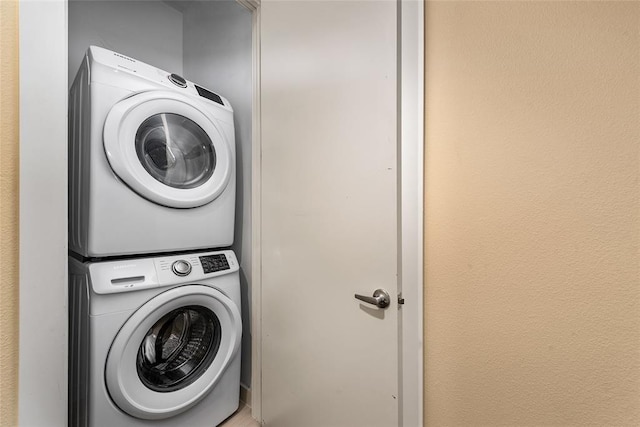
x=380 y=298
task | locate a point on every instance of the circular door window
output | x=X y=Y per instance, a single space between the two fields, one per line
x=168 y=148
x=172 y=351
x=175 y=150
x=178 y=348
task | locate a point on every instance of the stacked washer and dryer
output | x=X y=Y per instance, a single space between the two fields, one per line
x=154 y=299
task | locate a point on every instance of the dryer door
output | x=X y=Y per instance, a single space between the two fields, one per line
x=167 y=148
x=172 y=351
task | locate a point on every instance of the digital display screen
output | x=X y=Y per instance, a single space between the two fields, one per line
x=213 y=263
x=209 y=95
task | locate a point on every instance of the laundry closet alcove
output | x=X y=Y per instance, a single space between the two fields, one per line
x=207 y=42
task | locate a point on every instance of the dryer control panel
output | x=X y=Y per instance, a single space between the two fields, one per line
x=124 y=64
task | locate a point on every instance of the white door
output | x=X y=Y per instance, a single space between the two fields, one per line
x=329 y=213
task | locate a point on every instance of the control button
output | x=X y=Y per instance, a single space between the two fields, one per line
x=177 y=80
x=181 y=267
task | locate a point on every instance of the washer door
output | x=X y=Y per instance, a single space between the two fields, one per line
x=172 y=351
x=166 y=148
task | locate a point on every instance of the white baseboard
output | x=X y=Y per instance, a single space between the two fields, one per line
x=245 y=395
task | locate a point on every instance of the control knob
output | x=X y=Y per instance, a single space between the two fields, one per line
x=177 y=80
x=181 y=268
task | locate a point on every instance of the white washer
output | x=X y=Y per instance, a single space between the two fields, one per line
x=154 y=341
x=151 y=160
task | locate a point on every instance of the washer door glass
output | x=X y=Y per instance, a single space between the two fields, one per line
x=172 y=351
x=175 y=150
x=178 y=348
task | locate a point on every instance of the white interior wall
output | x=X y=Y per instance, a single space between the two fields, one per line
x=42 y=387
x=217 y=54
x=149 y=31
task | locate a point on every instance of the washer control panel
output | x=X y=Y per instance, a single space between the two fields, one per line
x=213 y=263
x=195 y=266
x=134 y=274
x=181 y=267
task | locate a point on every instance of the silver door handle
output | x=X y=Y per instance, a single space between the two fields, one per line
x=380 y=298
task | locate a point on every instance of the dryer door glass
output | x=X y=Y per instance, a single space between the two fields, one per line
x=175 y=150
x=178 y=348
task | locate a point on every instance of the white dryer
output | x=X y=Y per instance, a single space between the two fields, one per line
x=154 y=341
x=151 y=160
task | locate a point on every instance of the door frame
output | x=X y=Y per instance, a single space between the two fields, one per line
x=43 y=35
x=411 y=49
x=256 y=213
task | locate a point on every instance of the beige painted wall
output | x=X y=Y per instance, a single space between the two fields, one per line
x=9 y=212
x=532 y=213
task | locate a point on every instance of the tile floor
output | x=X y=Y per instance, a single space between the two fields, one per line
x=242 y=418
